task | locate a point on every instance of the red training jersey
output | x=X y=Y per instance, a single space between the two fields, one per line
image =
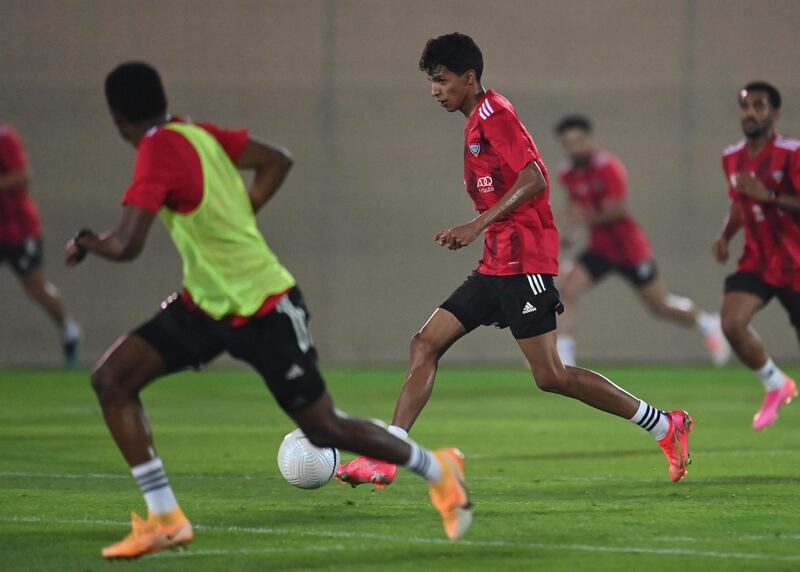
x=168 y=174
x=771 y=235
x=496 y=148
x=19 y=219
x=593 y=187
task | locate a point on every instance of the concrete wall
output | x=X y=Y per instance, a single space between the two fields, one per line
x=378 y=163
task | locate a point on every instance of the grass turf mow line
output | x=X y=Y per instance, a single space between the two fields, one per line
x=418 y=540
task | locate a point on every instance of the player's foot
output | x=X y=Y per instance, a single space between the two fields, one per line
x=717 y=345
x=450 y=496
x=675 y=444
x=158 y=532
x=773 y=401
x=366 y=470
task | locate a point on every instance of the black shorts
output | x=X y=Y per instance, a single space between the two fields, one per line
x=598 y=266
x=277 y=345
x=25 y=257
x=526 y=303
x=752 y=283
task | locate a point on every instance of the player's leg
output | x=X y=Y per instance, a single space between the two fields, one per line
x=579 y=383
x=26 y=260
x=535 y=333
x=746 y=294
x=174 y=339
x=670 y=429
x=125 y=369
x=738 y=310
x=575 y=282
x=683 y=311
x=428 y=346
x=577 y=279
x=780 y=389
x=280 y=347
x=469 y=306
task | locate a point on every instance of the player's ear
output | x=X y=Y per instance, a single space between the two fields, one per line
x=469 y=77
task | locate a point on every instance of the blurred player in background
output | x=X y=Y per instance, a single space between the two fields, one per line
x=508 y=183
x=237 y=298
x=21 y=239
x=597 y=191
x=763 y=175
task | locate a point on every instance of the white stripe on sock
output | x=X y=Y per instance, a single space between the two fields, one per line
x=652 y=420
x=422 y=462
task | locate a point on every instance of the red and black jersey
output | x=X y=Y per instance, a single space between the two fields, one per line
x=593 y=187
x=772 y=235
x=19 y=218
x=496 y=148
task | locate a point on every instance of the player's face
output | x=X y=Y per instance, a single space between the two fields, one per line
x=756 y=113
x=577 y=145
x=450 y=89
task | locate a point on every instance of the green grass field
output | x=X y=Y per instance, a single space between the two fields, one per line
x=557 y=486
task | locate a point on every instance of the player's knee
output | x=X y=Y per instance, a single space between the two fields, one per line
x=732 y=324
x=550 y=380
x=108 y=385
x=34 y=289
x=657 y=308
x=422 y=347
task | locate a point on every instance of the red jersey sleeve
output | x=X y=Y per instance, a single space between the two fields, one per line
x=508 y=137
x=12 y=153
x=232 y=140
x=158 y=171
x=732 y=194
x=616 y=179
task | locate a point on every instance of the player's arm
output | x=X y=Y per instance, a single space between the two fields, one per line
x=748 y=185
x=568 y=221
x=271 y=164
x=613 y=210
x=123 y=243
x=732 y=225
x=529 y=182
x=13 y=157
x=14 y=180
x=615 y=202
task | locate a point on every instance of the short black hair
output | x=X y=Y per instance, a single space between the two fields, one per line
x=457 y=52
x=134 y=91
x=773 y=95
x=573 y=122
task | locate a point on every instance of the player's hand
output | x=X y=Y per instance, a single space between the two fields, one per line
x=720 y=250
x=748 y=185
x=73 y=254
x=458 y=236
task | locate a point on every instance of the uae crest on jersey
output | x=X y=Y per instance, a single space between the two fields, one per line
x=475 y=149
x=778 y=176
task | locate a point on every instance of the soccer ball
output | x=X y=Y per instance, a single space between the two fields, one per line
x=304 y=465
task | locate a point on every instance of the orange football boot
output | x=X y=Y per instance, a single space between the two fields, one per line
x=450 y=496
x=157 y=533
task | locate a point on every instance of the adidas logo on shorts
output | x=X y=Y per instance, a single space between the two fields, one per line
x=528 y=308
